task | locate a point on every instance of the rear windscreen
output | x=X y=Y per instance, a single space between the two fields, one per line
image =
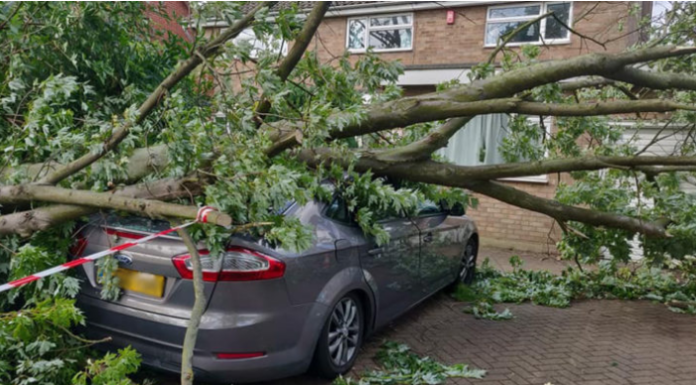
x=138 y=223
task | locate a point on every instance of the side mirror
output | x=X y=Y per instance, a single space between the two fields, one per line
x=457 y=210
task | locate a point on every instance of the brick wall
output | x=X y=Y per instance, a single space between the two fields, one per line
x=175 y=10
x=436 y=42
x=507 y=226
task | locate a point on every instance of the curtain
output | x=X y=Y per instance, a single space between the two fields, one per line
x=477 y=142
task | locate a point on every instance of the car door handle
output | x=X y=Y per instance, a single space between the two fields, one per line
x=427 y=238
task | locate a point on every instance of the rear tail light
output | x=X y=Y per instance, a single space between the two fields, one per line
x=236 y=264
x=78 y=247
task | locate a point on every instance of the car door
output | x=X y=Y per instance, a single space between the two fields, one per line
x=441 y=246
x=393 y=268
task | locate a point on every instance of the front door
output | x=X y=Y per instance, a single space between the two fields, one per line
x=441 y=248
x=394 y=268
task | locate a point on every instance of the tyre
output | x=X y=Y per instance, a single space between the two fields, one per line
x=467 y=266
x=340 y=339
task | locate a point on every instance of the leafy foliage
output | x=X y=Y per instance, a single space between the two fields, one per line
x=112 y=369
x=39 y=348
x=608 y=281
x=401 y=366
x=67 y=74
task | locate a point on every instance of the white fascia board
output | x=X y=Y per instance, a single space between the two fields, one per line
x=380 y=8
x=369 y=9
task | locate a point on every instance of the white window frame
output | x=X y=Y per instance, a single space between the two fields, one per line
x=542 y=28
x=368 y=28
x=543 y=178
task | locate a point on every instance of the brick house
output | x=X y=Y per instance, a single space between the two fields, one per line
x=174 y=10
x=441 y=41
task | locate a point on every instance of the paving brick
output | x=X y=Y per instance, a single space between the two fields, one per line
x=591 y=342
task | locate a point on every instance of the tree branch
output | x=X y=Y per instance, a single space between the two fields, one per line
x=587 y=82
x=424 y=148
x=197 y=310
x=654 y=80
x=561 y=212
x=42 y=218
x=298 y=48
x=410 y=110
x=372 y=160
x=465 y=177
x=141 y=163
x=152 y=208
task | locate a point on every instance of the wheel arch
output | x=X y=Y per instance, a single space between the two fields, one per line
x=475 y=237
x=350 y=280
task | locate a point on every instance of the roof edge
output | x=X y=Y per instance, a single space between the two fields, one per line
x=378 y=7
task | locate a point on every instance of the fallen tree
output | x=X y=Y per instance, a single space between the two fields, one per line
x=86 y=137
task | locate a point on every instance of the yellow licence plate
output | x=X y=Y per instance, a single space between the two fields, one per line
x=139 y=282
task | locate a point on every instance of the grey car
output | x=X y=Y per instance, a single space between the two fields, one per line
x=272 y=313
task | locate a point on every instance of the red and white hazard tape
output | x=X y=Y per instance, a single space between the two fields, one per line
x=201 y=216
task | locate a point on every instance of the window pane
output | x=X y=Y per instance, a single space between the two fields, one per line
x=495 y=31
x=397 y=38
x=428 y=207
x=356 y=34
x=479 y=141
x=337 y=210
x=531 y=10
x=390 y=20
x=554 y=29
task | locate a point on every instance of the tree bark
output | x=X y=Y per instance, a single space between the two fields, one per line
x=152 y=208
x=141 y=163
x=42 y=218
x=654 y=80
x=424 y=148
x=197 y=310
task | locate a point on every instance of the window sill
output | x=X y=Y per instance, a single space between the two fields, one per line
x=545 y=42
x=539 y=179
x=363 y=51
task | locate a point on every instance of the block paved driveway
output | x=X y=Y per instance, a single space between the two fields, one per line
x=590 y=343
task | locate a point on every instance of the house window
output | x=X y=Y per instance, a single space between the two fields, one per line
x=479 y=143
x=382 y=33
x=505 y=19
x=247 y=36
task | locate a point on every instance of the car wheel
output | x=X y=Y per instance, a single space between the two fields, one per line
x=467 y=267
x=340 y=339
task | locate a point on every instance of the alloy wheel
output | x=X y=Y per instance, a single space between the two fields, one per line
x=468 y=263
x=344 y=332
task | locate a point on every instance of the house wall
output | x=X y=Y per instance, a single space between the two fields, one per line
x=437 y=45
x=175 y=10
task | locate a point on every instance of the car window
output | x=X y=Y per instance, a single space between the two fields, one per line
x=338 y=211
x=428 y=207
